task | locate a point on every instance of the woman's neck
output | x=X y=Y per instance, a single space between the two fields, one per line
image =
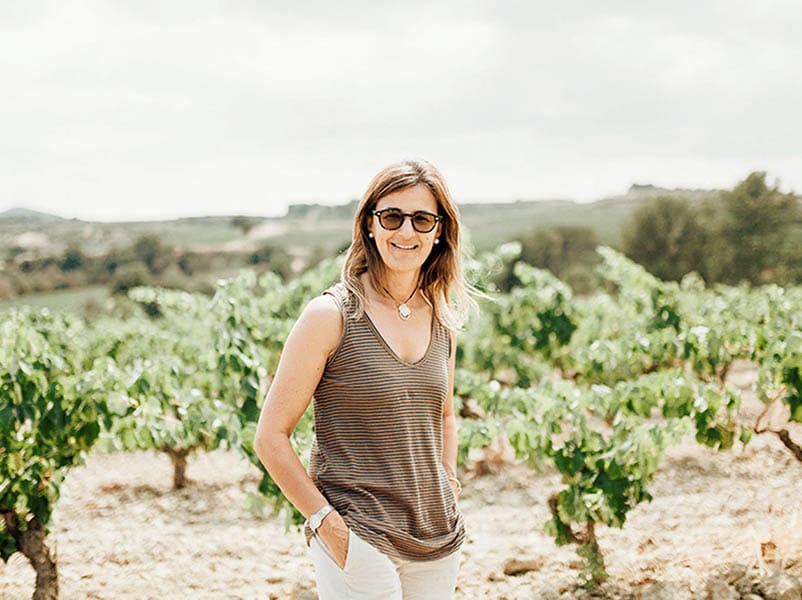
x=400 y=286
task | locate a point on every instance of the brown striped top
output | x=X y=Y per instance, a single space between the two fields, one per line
x=378 y=451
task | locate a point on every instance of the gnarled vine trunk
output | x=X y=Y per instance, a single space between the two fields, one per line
x=795 y=448
x=179 y=458
x=594 y=572
x=31 y=542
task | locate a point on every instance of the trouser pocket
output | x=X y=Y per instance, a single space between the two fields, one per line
x=349 y=552
x=368 y=574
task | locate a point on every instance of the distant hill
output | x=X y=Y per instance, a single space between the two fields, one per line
x=328 y=227
x=319 y=212
x=638 y=192
x=492 y=222
x=26 y=214
x=322 y=212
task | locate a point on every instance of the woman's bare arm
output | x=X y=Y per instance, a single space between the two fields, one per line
x=313 y=338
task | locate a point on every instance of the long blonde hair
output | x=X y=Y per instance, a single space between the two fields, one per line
x=442 y=280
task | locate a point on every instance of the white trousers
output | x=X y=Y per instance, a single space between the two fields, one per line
x=371 y=575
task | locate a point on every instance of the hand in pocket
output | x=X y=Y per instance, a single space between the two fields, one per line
x=334 y=532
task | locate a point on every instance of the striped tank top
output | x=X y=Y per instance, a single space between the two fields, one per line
x=377 y=456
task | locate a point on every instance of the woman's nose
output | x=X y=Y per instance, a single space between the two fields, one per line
x=406 y=226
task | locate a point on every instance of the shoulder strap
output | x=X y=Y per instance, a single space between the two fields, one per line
x=340 y=294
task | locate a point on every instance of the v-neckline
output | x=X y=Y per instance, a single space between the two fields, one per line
x=395 y=355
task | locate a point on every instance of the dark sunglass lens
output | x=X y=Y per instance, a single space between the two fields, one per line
x=391 y=219
x=423 y=222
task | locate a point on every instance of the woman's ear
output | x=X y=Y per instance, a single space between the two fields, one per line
x=369 y=227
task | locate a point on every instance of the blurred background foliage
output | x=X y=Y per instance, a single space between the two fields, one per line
x=751 y=233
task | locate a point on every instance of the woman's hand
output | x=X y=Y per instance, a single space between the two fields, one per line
x=334 y=532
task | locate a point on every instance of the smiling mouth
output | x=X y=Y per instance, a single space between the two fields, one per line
x=403 y=247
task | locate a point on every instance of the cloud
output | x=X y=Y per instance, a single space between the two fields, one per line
x=249 y=105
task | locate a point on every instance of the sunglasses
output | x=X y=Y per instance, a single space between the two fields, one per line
x=393 y=218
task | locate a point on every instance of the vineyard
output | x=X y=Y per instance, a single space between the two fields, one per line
x=587 y=398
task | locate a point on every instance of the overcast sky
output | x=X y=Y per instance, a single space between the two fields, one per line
x=147 y=109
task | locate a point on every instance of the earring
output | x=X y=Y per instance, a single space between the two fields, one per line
x=436 y=240
x=370 y=234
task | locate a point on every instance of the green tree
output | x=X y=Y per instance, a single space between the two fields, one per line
x=790 y=269
x=51 y=409
x=667 y=238
x=73 y=259
x=275 y=258
x=559 y=248
x=569 y=252
x=167 y=398
x=757 y=228
x=244 y=224
x=153 y=252
x=128 y=277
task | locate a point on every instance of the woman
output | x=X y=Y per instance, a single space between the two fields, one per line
x=376 y=351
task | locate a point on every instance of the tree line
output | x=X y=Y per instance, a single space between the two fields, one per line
x=751 y=233
x=149 y=260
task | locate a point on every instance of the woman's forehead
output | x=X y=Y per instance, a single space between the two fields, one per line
x=409 y=199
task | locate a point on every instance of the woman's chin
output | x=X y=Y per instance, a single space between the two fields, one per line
x=411 y=264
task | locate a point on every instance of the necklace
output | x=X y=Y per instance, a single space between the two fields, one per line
x=403 y=310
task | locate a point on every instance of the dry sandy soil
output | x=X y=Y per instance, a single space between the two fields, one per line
x=121 y=532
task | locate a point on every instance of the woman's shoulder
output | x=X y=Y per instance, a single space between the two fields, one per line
x=337 y=290
x=324 y=306
x=321 y=321
x=342 y=296
x=333 y=305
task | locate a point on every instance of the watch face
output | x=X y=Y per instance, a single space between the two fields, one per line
x=316 y=519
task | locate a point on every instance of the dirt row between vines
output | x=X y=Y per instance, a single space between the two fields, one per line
x=121 y=533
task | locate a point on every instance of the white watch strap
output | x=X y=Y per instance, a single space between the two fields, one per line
x=316 y=519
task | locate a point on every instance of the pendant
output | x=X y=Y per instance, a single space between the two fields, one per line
x=404 y=312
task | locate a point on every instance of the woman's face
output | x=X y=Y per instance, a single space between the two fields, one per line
x=405 y=249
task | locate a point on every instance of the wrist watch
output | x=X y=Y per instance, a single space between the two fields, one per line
x=316 y=519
